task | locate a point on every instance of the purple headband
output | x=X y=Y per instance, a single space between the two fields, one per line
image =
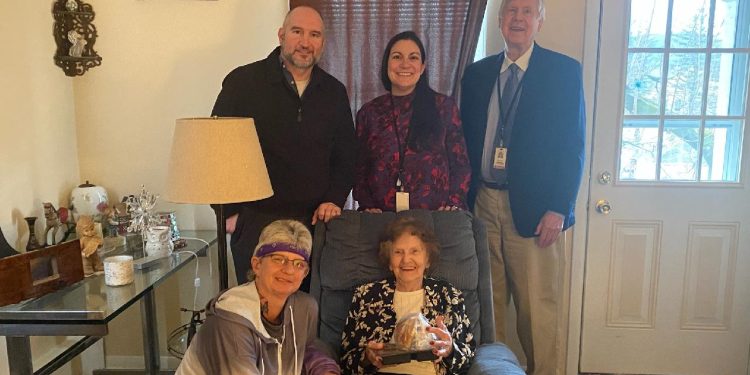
x=282 y=246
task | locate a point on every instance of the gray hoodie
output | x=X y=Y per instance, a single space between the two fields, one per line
x=233 y=339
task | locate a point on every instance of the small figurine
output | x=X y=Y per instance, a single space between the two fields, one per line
x=55 y=218
x=158 y=242
x=78 y=42
x=113 y=217
x=90 y=241
x=71 y=5
x=122 y=218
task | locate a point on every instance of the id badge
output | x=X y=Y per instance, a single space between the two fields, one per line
x=402 y=201
x=501 y=154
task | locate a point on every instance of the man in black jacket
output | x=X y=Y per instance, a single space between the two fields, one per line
x=305 y=128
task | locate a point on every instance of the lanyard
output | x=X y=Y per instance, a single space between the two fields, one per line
x=401 y=151
x=506 y=116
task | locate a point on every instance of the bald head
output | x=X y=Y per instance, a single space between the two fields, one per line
x=301 y=40
x=303 y=11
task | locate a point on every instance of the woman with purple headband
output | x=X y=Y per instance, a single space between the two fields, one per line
x=265 y=326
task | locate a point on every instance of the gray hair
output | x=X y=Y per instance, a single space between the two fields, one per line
x=413 y=226
x=542 y=9
x=286 y=231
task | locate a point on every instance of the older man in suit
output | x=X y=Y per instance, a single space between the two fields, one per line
x=523 y=117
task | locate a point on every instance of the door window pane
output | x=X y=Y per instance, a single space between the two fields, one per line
x=680 y=147
x=722 y=140
x=640 y=139
x=730 y=24
x=647 y=30
x=727 y=88
x=686 y=91
x=643 y=85
x=690 y=23
x=685 y=84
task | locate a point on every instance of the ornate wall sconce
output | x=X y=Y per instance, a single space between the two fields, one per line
x=75 y=36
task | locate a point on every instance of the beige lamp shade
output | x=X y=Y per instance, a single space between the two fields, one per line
x=216 y=160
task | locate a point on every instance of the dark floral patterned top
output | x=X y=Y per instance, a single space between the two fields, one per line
x=372 y=317
x=438 y=176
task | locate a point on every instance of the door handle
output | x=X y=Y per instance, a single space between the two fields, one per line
x=603 y=207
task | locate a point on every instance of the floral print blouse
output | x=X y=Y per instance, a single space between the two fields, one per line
x=372 y=317
x=435 y=177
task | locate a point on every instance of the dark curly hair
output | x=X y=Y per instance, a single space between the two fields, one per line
x=424 y=118
x=408 y=225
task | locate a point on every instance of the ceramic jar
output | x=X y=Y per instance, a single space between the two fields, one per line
x=88 y=199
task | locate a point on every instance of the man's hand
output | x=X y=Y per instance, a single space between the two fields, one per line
x=448 y=208
x=549 y=228
x=374 y=210
x=232 y=223
x=326 y=211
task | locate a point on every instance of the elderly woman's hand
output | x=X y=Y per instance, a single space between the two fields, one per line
x=443 y=346
x=372 y=353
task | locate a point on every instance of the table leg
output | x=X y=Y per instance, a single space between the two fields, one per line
x=19 y=355
x=150 y=333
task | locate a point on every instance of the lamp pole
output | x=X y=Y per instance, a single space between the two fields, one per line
x=221 y=233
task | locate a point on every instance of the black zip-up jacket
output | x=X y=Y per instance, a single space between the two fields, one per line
x=308 y=143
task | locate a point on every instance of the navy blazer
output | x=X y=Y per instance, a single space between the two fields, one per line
x=546 y=154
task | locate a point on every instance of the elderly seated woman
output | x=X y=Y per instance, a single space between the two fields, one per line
x=265 y=326
x=408 y=248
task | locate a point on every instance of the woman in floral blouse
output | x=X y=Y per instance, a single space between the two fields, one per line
x=409 y=248
x=410 y=139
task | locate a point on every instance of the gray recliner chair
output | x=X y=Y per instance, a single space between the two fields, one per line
x=345 y=255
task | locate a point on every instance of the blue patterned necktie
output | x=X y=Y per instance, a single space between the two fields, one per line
x=509 y=91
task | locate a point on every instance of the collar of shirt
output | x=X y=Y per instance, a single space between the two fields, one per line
x=288 y=78
x=522 y=62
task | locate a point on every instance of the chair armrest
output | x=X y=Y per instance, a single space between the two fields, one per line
x=495 y=359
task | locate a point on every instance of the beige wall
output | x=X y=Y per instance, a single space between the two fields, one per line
x=37 y=129
x=162 y=60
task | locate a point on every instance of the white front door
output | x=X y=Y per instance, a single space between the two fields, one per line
x=667 y=271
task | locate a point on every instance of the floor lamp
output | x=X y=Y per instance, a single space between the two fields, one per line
x=217 y=160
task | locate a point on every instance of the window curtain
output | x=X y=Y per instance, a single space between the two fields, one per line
x=357 y=32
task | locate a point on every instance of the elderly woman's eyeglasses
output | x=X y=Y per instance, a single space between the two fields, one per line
x=299 y=265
